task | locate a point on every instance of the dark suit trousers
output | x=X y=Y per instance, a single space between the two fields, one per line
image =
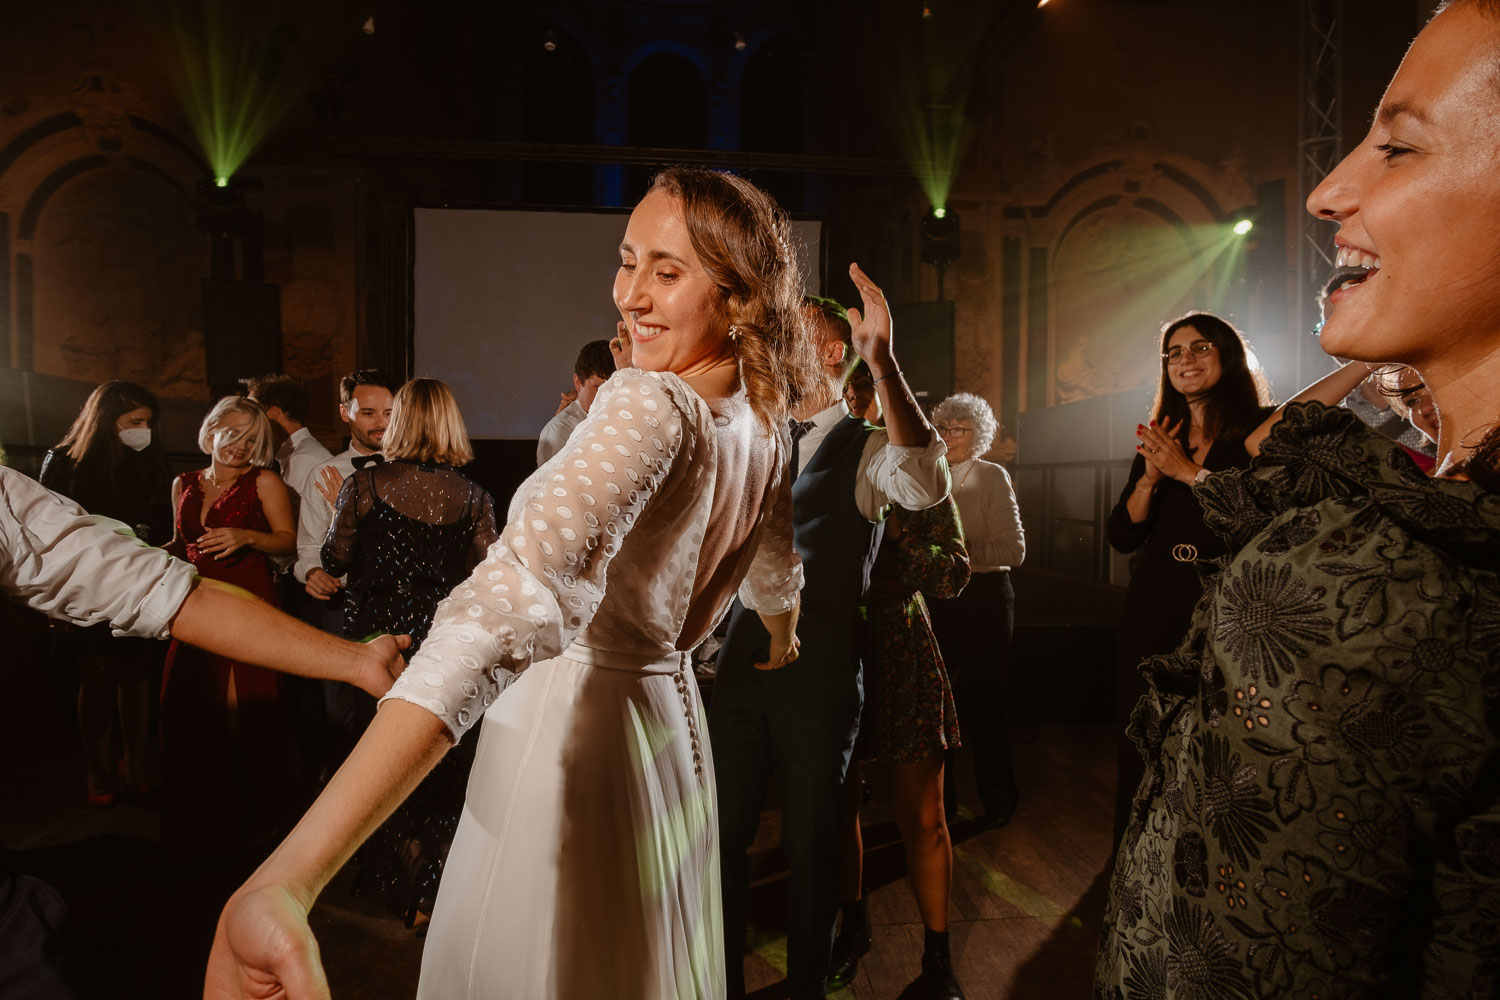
x=800 y=720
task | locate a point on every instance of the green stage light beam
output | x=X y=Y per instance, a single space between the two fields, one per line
x=927 y=70
x=241 y=68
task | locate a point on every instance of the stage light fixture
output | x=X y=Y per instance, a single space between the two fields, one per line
x=739 y=41
x=938 y=213
x=1243 y=227
x=369 y=25
x=927 y=12
x=222 y=182
x=549 y=41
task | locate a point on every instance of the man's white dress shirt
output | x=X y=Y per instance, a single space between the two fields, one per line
x=298 y=456
x=84 y=568
x=914 y=477
x=557 y=431
x=315 y=516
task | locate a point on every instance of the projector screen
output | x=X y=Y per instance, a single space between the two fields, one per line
x=504 y=299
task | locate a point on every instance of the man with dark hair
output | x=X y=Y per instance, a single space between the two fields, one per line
x=802 y=718
x=365 y=398
x=593 y=368
x=284 y=399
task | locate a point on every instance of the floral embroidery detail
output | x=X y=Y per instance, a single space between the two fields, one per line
x=1268 y=619
x=1366 y=734
x=1358 y=834
x=1202 y=962
x=1227 y=799
x=1252 y=708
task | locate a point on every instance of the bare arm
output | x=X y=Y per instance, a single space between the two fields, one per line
x=784 y=641
x=1330 y=389
x=177 y=546
x=263 y=940
x=904 y=422
x=233 y=622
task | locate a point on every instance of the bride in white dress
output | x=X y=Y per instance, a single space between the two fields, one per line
x=586 y=860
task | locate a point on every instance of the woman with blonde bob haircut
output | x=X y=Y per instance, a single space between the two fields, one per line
x=406 y=531
x=426 y=426
x=223 y=729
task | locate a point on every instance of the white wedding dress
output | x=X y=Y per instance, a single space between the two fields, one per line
x=586 y=860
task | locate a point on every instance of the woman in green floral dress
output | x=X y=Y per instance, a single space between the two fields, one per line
x=908 y=724
x=1321 y=815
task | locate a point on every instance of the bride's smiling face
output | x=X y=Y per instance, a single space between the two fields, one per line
x=1418 y=207
x=672 y=307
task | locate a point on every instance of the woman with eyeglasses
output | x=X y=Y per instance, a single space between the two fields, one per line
x=974 y=629
x=1211 y=394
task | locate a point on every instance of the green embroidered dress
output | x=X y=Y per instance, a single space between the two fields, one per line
x=1320 y=815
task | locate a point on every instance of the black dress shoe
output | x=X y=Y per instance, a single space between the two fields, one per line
x=938 y=981
x=848 y=948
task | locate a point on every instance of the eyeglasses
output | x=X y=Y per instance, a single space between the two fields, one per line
x=1199 y=349
x=952 y=430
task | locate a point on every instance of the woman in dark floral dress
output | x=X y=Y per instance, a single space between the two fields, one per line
x=1321 y=811
x=908 y=724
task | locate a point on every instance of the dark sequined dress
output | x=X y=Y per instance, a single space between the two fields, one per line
x=406 y=535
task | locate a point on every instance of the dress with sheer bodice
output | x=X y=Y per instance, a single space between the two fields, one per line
x=406 y=534
x=586 y=862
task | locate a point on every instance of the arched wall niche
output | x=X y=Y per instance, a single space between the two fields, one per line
x=1113 y=247
x=99 y=252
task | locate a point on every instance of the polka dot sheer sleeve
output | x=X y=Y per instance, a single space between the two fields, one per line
x=775 y=576
x=543 y=580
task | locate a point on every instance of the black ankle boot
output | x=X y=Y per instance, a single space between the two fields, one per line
x=938 y=980
x=849 y=947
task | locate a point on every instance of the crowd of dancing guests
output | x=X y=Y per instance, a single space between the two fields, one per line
x=1307 y=672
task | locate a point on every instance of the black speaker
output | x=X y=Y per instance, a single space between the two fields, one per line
x=923 y=335
x=241 y=330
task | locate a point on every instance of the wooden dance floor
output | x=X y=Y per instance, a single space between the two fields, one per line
x=1026 y=901
x=1026 y=898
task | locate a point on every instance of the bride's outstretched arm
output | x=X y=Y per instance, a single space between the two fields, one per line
x=263 y=941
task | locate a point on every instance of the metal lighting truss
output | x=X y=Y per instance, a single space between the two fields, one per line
x=1319 y=147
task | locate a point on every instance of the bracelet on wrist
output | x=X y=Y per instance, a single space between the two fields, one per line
x=891 y=374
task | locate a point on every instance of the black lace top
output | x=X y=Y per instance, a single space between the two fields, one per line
x=1321 y=816
x=406 y=534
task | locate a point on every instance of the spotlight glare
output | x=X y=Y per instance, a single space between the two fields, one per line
x=1243 y=226
x=938 y=213
x=926 y=12
x=549 y=41
x=221 y=181
x=369 y=26
x=739 y=41
x=1041 y=3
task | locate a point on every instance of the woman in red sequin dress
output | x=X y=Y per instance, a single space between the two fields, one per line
x=224 y=743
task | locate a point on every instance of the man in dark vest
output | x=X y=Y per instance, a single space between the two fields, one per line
x=802 y=719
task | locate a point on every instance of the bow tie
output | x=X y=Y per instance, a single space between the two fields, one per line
x=799 y=428
x=360 y=461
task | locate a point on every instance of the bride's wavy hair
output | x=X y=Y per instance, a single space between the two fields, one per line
x=744 y=241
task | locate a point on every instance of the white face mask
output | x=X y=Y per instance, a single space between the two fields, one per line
x=136 y=438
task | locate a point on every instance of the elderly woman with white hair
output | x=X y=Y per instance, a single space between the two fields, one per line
x=974 y=628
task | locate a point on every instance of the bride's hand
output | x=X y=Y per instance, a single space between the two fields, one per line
x=264 y=950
